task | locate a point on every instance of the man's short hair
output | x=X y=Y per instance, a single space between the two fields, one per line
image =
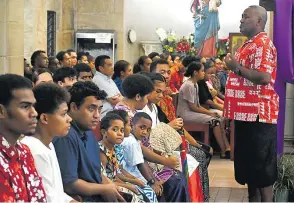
x=80 y=55
x=153 y=76
x=60 y=55
x=35 y=55
x=9 y=83
x=80 y=90
x=262 y=14
x=100 y=61
x=155 y=63
x=82 y=67
x=69 y=51
x=62 y=73
x=49 y=97
x=140 y=115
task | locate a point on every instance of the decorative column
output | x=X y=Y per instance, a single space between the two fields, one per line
x=12 y=36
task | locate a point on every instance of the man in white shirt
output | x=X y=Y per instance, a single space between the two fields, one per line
x=102 y=79
x=51 y=105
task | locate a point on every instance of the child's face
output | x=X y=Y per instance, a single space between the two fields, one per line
x=128 y=127
x=115 y=133
x=208 y=73
x=142 y=128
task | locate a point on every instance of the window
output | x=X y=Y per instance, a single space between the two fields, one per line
x=51 y=33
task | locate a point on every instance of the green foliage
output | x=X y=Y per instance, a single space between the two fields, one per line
x=285 y=179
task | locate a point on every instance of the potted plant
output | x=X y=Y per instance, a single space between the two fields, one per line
x=285 y=181
x=291 y=195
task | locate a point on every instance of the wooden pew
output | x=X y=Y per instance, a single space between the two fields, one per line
x=191 y=126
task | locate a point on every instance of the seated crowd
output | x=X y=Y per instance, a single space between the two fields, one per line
x=50 y=148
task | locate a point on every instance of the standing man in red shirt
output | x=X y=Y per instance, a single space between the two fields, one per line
x=252 y=102
x=19 y=180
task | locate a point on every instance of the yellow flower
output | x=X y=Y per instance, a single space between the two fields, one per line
x=171 y=49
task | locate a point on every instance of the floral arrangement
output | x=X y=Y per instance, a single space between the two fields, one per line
x=170 y=43
x=168 y=39
x=183 y=46
x=186 y=45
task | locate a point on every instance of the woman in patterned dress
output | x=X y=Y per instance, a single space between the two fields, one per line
x=137 y=88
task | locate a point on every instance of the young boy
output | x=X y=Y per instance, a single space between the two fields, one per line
x=65 y=77
x=142 y=123
x=51 y=106
x=126 y=176
x=174 y=190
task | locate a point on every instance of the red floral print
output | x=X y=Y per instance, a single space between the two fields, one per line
x=246 y=101
x=19 y=179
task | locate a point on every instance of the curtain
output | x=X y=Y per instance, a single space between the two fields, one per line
x=283 y=39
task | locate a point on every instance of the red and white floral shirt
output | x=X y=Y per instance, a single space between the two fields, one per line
x=245 y=101
x=19 y=179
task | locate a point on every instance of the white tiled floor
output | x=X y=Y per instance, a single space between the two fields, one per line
x=221 y=173
x=222 y=194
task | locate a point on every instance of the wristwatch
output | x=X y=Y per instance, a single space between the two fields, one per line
x=150 y=182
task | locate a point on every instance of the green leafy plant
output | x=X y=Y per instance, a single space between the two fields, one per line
x=285 y=179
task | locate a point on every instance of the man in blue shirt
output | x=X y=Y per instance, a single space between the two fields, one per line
x=78 y=153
